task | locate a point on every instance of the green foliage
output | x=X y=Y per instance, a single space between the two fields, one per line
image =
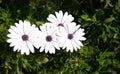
x=99 y=55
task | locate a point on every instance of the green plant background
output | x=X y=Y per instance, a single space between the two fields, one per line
x=99 y=55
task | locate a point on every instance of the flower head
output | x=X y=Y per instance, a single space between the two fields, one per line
x=48 y=38
x=71 y=37
x=23 y=37
x=60 y=19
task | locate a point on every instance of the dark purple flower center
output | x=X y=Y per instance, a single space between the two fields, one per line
x=70 y=36
x=49 y=38
x=25 y=37
x=61 y=25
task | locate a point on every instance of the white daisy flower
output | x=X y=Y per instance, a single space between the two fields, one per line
x=48 y=39
x=60 y=19
x=71 y=37
x=23 y=37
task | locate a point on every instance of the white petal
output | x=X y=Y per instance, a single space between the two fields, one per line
x=26 y=27
x=15 y=48
x=80 y=32
x=79 y=35
x=55 y=45
x=30 y=47
x=34 y=38
x=9 y=40
x=18 y=43
x=69 y=46
x=24 y=49
x=78 y=42
x=51 y=18
x=71 y=27
x=59 y=16
x=71 y=49
x=16 y=36
x=49 y=29
x=43 y=30
x=42 y=47
x=67 y=18
x=11 y=45
x=62 y=32
x=20 y=27
x=65 y=44
x=75 y=46
x=51 y=49
x=67 y=49
x=32 y=31
x=35 y=43
x=82 y=38
x=15 y=30
x=14 y=42
x=47 y=47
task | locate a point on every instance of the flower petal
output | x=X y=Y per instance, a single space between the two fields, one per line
x=59 y=16
x=30 y=47
x=42 y=47
x=51 y=18
x=26 y=27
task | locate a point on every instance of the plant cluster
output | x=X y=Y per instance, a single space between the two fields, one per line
x=99 y=55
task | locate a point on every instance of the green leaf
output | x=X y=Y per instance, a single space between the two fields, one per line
x=85 y=17
x=108 y=20
x=45 y=60
x=119 y=3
